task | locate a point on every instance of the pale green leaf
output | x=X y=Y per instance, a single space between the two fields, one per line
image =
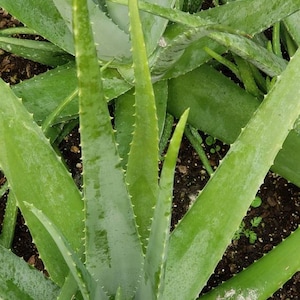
x=113 y=250
x=18 y=280
x=48 y=185
x=142 y=169
x=209 y=225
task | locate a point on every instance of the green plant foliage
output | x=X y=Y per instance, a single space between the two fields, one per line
x=110 y=232
x=20 y=281
x=150 y=63
x=60 y=201
x=206 y=223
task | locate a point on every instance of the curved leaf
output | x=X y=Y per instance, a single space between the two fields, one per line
x=47 y=185
x=142 y=169
x=112 y=246
x=209 y=225
x=44 y=18
x=18 y=280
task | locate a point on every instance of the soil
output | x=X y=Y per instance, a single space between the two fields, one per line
x=279 y=211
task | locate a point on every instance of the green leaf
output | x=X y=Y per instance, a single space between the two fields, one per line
x=41 y=99
x=9 y=221
x=209 y=225
x=113 y=250
x=18 y=280
x=153 y=26
x=124 y=117
x=85 y=281
x=47 y=185
x=44 y=18
x=264 y=277
x=267 y=62
x=245 y=16
x=38 y=51
x=156 y=256
x=142 y=169
x=293 y=26
x=111 y=41
x=220 y=108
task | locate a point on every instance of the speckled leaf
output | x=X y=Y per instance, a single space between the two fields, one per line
x=124 y=117
x=38 y=51
x=47 y=185
x=87 y=285
x=293 y=26
x=142 y=169
x=113 y=250
x=263 y=59
x=209 y=225
x=40 y=98
x=152 y=284
x=111 y=41
x=18 y=280
x=221 y=108
x=44 y=18
x=153 y=26
x=245 y=16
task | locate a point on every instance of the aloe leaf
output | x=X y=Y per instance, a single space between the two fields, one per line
x=245 y=16
x=69 y=289
x=113 y=250
x=293 y=26
x=267 y=62
x=263 y=277
x=124 y=117
x=111 y=41
x=85 y=281
x=156 y=255
x=142 y=169
x=9 y=221
x=209 y=225
x=30 y=180
x=153 y=26
x=41 y=99
x=43 y=17
x=20 y=281
x=38 y=51
x=220 y=108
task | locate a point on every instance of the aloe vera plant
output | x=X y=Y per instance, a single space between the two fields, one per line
x=111 y=240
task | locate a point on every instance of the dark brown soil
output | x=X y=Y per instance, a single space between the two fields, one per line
x=279 y=210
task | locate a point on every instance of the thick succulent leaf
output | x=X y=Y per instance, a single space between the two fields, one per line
x=264 y=277
x=209 y=225
x=152 y=284
x=44 y=18
x=111 y=41
x=18 y=280
x=142 y=169
x=85 y=281
x=9 y=221
x=218 y=105
x=30 y=180
x=124 y=117
x=263 y=59
x=113 y=250
x=38 y=51
x=153 y=26
x=40 y=98
x=245 y=16
x=293 y=26
x=220 y=108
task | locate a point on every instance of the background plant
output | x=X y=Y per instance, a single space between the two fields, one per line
x=168 y=265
